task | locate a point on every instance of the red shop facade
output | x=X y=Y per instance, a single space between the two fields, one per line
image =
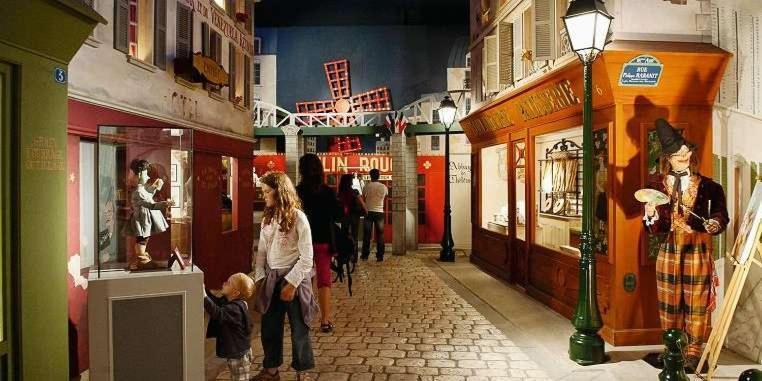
x=220 y=247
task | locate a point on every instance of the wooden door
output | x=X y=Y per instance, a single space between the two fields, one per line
x=7 y=261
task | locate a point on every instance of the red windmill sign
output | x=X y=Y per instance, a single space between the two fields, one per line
x=340 y=86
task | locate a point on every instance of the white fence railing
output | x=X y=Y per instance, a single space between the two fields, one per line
x=423 y=110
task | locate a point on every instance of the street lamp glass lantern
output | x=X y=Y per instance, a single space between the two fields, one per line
x=447 y=110
x=587 y=25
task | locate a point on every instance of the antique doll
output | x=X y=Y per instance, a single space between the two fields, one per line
x=685 y=276
x=147 y=218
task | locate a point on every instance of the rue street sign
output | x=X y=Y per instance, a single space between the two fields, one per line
x=644 y=70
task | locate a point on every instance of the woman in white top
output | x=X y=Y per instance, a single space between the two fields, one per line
x=283 y=278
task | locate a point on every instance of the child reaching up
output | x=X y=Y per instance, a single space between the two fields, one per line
x=230 y=324
x=283 y=274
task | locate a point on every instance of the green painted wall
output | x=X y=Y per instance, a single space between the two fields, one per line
x=40 y=182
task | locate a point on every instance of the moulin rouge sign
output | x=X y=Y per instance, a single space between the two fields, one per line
x=222 y=23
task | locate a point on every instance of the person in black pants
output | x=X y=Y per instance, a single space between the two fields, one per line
x=374 y=194
x=354 y=208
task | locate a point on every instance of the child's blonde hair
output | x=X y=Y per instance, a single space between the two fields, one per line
x=244 y=284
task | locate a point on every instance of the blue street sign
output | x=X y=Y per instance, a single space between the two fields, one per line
x=59 y=75
x=643 y=70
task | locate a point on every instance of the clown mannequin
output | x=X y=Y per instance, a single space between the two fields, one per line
x=685 y=275
x=147 y=218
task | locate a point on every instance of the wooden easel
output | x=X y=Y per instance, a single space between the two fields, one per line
x=732 y=295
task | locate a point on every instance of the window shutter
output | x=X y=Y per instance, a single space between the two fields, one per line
x=121 y=26
x=246 y=81
x=205 y=43
x=184 y=39
x=505 y=50
x=544 y=30
x=490 y=65
x=250 y=16
x=477 y=80
x=160 y=34
x=518 y=49
x=230 y=8
x=218 y=43
x=232 y=68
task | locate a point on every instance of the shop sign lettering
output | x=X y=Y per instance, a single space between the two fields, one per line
x=460 y=173
x=356 y=163
x=644 y=70
x=44 y=155
x=222 y=23
x=548 y=101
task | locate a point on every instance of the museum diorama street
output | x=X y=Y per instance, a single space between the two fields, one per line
x=451 y=190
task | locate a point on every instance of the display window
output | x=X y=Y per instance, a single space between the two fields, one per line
x=228 y=197
x=519 y=161
x=494 y=188
x=558 y=185
x=144 y=204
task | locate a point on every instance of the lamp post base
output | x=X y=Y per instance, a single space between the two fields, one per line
x=447 y=255
x=586 y=349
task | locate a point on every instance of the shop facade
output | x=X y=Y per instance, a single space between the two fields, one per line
x=186 y=65
x=527 y=188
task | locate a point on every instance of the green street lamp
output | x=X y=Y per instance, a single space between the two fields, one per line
x=447 y=110
x=587 y=25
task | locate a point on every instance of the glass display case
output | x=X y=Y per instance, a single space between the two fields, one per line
x=144 y=207
x=494 y=188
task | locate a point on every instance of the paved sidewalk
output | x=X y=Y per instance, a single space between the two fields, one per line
x=405 y=323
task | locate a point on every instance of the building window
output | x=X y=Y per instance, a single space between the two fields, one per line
x=558 y=170
x=257 y=74
x=211 y=46
x=228 y=186
x=257 y=45
x=140 y=30
x=494 y=188
x=435 y=142
x=467 y=80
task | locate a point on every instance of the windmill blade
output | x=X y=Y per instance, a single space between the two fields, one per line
x=312 y=107
x=337 y=75
x=379 y=99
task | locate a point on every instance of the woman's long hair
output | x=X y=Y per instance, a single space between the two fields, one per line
x=311 y=172
x=345 y=184
x=286 y=201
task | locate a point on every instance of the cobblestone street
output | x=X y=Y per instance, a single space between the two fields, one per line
x=404 y=323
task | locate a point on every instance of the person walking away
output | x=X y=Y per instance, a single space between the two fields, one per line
x=374 y=194
x=230 y=324
x=354 y=208
x=322 y=209
x=282 y=275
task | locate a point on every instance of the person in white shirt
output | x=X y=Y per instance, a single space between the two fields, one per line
x=374 y=194
x=283 y=278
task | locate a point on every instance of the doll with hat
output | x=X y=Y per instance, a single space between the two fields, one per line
x=690 y=211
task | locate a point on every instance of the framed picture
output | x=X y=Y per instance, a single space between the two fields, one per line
x=173 y=172
x=749 y=232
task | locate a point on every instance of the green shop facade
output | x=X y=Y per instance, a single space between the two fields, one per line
x=38 y=38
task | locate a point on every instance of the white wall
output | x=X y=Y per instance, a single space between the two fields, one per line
x=266 y=91
x=658 y=20
x=103 y=75
x=737 y=130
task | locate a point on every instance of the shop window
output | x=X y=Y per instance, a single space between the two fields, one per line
x=140 y=30
x=519 y=162
x=179 y=179
x=558 y=174
x=494 y=188
x=87 y=241
x=229 y=187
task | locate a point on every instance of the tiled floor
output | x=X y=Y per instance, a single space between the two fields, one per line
x=405 y=323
